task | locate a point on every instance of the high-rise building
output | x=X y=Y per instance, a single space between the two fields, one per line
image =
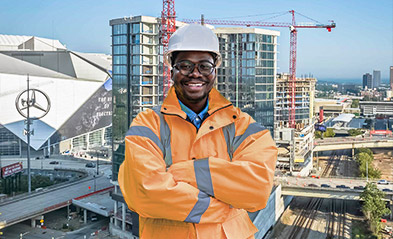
x=137 y=85
x=247 y=75
x=136 y=55
x=391 y=78
x=300 y=139
x=376 y=78
x=367 y=81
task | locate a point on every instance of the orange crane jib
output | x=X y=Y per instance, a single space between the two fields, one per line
x=293 y=45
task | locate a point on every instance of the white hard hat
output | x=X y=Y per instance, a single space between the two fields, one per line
x=193 y=37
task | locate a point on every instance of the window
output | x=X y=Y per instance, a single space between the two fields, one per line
x=119 y=59
x=136 y=28
x=121 y=49
x=120 y=29
x=135 y=39
x=121 y=39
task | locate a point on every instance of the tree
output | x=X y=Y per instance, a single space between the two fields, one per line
x=318 y=134
x=365 y=150
x=355 y=132
x=365 y=158
x=329 y=133
x=355 y=103
x=374 y=207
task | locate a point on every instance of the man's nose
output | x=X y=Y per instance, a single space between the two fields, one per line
x=195 y=73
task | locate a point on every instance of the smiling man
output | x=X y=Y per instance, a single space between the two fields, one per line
x=195 y=165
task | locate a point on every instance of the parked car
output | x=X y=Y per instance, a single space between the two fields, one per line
x=90 y=165
x=358 y=187
x=387 y=190
x=324 y=185
x=383 y=181
x=54 y=162
x=312 y=185
x=342 y=186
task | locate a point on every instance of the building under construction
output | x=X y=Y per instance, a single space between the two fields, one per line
x=295 y=144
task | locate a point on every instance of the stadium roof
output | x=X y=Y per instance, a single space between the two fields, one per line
x=68 y=78
x=344 y=118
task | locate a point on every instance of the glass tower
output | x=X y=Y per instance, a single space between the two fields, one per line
x=247 y=75
x=136 y=69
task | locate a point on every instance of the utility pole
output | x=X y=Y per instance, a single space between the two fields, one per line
x=28 y=135
x=42 y=108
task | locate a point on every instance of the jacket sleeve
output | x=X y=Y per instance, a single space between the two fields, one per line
x=152 y=192
x=246 y=181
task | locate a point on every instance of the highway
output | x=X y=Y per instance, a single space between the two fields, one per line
x=338 y=143
x=311 y=187
x=40 y=203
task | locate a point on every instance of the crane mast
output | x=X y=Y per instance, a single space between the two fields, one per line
x=168 y=27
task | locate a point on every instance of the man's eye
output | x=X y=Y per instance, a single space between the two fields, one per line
x=185 y=66
x=205 y=66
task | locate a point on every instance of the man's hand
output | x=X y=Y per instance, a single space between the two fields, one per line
x=183 y=172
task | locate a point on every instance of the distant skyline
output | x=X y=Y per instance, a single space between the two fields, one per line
x=361 y=42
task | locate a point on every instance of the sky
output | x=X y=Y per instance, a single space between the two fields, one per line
x=361 y=42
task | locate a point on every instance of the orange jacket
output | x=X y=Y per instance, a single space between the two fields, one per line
x=209 y=177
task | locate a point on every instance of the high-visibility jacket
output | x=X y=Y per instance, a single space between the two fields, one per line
x=189 y=183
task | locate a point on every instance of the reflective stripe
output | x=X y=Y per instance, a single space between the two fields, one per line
x=203 y=176
x=252 y=129
x=199 y=208
x=165 y=137
x=229 y=134
x=145 y=132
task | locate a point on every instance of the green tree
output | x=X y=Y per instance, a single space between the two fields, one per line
x=355 y=132
x=364 y=150
x=365 y=159
x=374 y=207
x=318 y=134
x=329 y=133
x=355 y=103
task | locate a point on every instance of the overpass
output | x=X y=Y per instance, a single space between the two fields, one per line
x=352 y=143
x=311 y=187
x=39 y=203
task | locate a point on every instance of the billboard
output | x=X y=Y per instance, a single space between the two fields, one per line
x=11 y=169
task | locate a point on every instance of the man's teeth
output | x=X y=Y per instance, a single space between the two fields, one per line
x=195 y=85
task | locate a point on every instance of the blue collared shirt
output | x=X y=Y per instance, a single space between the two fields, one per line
x=195 y=119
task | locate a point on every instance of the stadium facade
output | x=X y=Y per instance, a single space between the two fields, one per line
x=79 y=87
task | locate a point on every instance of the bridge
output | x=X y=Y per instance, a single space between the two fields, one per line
x=38 y=203
x=337 y=143
x=311 y=187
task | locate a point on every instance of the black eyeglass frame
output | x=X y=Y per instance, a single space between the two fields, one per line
x=176 y=65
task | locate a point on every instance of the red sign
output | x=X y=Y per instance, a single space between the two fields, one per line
x=11 y=169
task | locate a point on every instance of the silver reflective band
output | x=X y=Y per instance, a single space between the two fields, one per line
x=229 y=135
x=252 y=129
x=144 y=131
x=203 y=176
x=165 y=137
x=199 y=208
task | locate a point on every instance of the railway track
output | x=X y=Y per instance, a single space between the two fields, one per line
x=336 y=219
x=305 y=219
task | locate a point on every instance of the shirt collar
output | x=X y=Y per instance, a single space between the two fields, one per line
x=191 y=114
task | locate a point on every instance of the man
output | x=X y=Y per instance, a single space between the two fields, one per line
x=194 y=166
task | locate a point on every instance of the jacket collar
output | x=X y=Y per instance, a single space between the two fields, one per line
x=171 y=104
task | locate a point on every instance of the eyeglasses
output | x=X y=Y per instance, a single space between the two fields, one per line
x=187 y=67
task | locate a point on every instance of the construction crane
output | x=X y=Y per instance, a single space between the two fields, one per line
x=168 y=27
x=293 y=45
